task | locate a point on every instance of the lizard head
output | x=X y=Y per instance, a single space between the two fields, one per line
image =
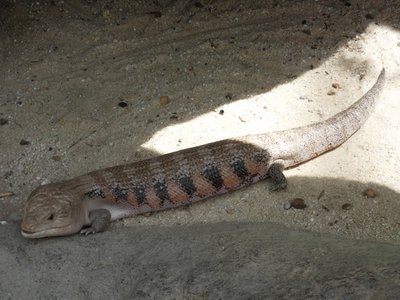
x=50 y=211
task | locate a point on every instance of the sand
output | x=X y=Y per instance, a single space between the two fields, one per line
x=228 y=68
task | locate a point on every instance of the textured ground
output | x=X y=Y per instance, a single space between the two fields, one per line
x=80 y=88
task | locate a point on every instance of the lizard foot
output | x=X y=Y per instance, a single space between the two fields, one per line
x=100 y=219
x=277 y=176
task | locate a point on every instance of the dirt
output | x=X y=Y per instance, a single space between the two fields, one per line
x=83 y=86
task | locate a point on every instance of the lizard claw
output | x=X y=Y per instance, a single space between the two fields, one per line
x=278 y=186
x=87 y=231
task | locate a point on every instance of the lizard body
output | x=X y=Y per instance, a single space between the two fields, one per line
x=89 y=202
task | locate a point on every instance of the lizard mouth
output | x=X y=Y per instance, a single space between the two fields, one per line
x=40 y=234
x=33 y=233
x=37 y=234
x=30 y=234
x=49 y=232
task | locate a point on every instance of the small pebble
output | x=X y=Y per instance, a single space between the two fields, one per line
x=3 y=121
x=221 y=112
x=229 y=96
x=156 y=14
x=3 y=222
x=164 y=100
x=347 y=206
x=24 y=142
x=370 y=193
x=174 y=116
x=298 y=203
x=331 y=92
x=122 y=104
x=287 y=205
x=335 y=85
x=369 y=16
x=333 y=223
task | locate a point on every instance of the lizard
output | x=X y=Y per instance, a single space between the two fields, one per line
x=88 y=203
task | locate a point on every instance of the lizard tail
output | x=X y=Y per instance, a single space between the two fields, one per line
x=301 y=144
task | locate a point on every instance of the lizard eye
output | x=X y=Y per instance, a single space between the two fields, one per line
x=50 y=217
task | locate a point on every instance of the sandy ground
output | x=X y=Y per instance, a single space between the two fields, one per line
x=67 y=66
x=81 y=81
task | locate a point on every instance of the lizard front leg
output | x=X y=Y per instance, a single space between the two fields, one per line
x=278 y=178
x=99 y=220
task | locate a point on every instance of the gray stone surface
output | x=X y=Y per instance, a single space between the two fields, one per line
x=217 y=261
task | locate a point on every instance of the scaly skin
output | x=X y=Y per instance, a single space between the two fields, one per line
x=91 y=201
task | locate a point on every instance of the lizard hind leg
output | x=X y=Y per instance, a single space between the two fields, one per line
x=279 y=180
x=99 y=220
